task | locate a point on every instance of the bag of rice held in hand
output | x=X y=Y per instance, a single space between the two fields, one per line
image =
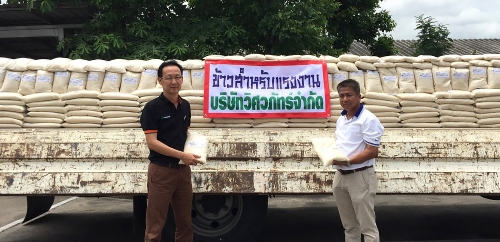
x=327 y=150
x=196 y=144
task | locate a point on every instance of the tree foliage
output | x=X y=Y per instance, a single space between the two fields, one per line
x=181 y=29
x=432 y=37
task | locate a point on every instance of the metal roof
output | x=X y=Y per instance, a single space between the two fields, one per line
x=460 y=47
x=63 y=13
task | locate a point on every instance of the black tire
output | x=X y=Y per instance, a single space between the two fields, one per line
x=228 y=217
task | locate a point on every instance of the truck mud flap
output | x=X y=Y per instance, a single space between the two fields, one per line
x=37 y=205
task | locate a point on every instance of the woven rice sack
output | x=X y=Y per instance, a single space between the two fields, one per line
x=61 y=81
x=460 y=79
x=413 y=109
x=197 y=80
x=111 y=82
x=347 y=66
x=359 y=77
x=349 y=58
x=389 y=79
x=27 y=84
x=70 y=108
x=493 y=77
x=339 y=77
x=382 y=96
x=78 y=65
x=423 y=81
x=461 y=101
x=406 y=80
x=408 y=103
x=84 y=113
x=332 y=68
x=97 y=66
x=372 y=82
x=457 y=113
x=186 y=80
x=44 y=80
x=94 y=81
x=19 y=64
x=454 y=95
x=57 y=65
x=477 y=78
x=149 y=92
x=48 y=109
x=11 y=81
x=423 y=66
x=485 y=92
x=369 y=59
x=442 y=79
x=457 y=107
x=130 y=82
x=83 y=119
x=118 y=66
x=83 y=101
x=77 y=81
x=40 y=97
x=79 y=94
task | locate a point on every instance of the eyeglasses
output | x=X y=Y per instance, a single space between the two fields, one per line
x=170 y=78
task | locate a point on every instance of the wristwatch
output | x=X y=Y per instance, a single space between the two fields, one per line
x=348 y=162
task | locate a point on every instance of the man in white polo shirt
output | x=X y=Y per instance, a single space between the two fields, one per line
x=358 y=134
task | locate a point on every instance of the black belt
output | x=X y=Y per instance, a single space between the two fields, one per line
x=175 y=166
x=346 y=172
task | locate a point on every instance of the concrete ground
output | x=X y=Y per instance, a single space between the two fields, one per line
x=290 y=218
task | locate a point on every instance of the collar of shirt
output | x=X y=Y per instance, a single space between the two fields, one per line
x=344 y=112
x=165 y=99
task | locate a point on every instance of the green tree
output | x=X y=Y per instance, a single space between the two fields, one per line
x=383 y=46
x=195 y=28
x=432 y=37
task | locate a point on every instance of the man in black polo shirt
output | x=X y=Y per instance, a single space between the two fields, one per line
x=165 y=121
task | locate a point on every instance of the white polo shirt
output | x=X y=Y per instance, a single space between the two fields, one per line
x=354 y=134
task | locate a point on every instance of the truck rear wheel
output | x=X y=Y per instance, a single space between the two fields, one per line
x=228 y=217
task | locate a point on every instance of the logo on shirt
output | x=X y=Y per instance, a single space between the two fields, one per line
x=184 y=117
x=165 y=117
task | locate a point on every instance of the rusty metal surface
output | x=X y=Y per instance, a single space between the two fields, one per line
x=114 y=161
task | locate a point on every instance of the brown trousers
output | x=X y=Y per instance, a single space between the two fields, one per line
x=169 y=186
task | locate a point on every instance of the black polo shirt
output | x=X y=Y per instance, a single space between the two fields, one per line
x=171 y=125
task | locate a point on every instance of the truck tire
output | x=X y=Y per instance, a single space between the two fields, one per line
x=228 y=217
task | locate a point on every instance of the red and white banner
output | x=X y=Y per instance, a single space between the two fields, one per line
x=266 y=89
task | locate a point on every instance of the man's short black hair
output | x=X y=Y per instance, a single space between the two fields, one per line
x=168 y=63
x=354 y=85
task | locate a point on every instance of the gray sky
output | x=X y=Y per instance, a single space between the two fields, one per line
x=465 y=19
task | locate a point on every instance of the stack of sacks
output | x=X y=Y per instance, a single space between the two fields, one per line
x=45 y=110
x=96 y=72
x=82 y=109
x=146 y=95
x=193 y=74
x=195 y=99
x=59 y=66
x=419 y=110
x=12 y=110
x=13 y=71
x=231 y=122
x=385 y=107
x=456 y=109
x=120 y=110
x=308 y=122
x=487 y=107
x=270 y=122
x=130 y=79
x=113 y=77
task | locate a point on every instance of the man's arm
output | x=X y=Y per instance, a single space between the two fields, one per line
x=154 y=144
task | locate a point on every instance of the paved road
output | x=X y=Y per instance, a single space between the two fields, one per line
x=290 y=218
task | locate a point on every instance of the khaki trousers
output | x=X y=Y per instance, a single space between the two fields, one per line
x=355 y=197
x=169 y=186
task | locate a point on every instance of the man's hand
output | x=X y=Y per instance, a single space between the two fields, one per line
x=190 y=159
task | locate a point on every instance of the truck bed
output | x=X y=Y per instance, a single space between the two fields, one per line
x=245 y=161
